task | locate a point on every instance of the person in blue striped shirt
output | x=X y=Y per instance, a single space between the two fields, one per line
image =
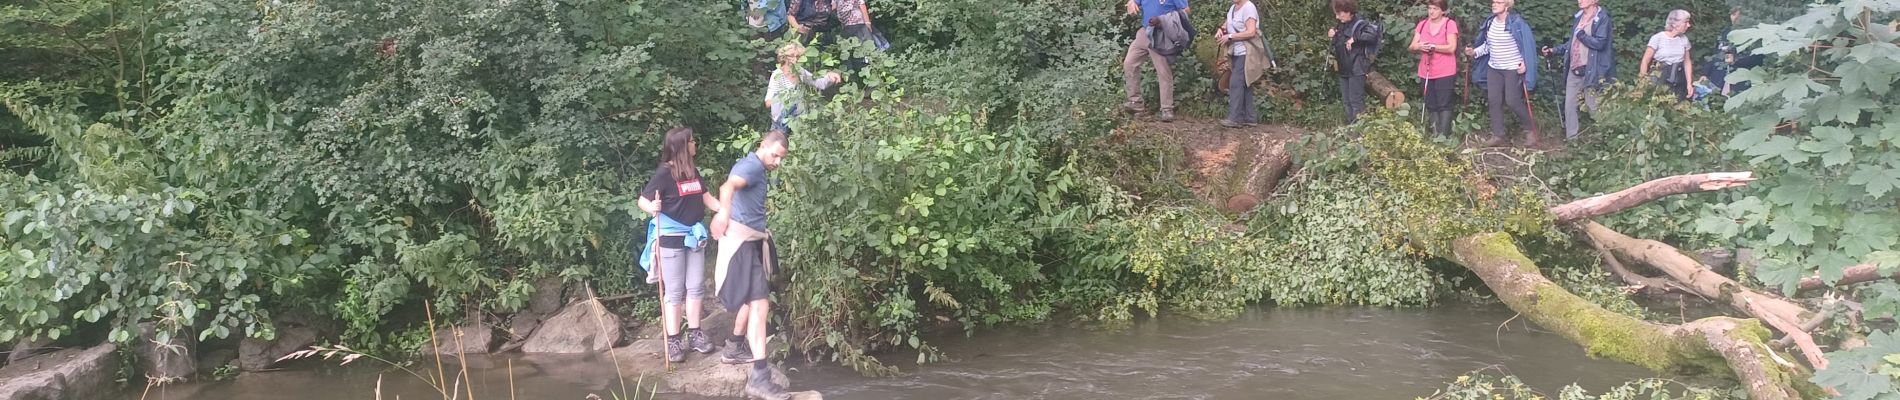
x=1505 y=63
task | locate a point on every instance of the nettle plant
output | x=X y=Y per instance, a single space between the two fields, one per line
x=1820 y=126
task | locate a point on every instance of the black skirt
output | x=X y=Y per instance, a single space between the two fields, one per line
x=748 y=278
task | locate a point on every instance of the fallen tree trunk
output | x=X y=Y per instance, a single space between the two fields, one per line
x=1775 y=311
x=1387 y=92
x=1646 y=192
x=1862 y=273
x=1703 y=346
x=1646 y=285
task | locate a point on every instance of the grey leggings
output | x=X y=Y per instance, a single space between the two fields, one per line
x=683 y=272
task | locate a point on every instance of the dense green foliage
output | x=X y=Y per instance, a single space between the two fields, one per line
x=1820 y=126
x=364 y=155
x=207 y=165
x=1485 y=385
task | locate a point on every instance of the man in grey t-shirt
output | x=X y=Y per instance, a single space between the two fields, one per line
x=745 y=262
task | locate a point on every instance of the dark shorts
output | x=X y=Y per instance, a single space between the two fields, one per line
x=747 y=279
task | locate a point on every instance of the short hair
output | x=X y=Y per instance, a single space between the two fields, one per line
x=1438 y=3
x=1346 y=6
x=790 y=52
x=772 y=137
x=1676 y=18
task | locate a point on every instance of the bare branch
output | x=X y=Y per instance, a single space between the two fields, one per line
x=1647 y=192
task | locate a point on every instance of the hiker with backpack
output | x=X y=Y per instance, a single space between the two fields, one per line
x=812 y=19
x=1435 y=39
x=1505 y=63
x=1141 y=49
x=1239 y=38
x=1355 y=41
x=1669 y=52
x=1590 y=63
x=769 y=16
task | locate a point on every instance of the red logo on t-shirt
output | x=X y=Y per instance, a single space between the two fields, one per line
x=690 y=187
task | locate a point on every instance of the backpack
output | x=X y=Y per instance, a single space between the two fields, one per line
x=809 y=13
x=1171 y=35
x=1372 y=49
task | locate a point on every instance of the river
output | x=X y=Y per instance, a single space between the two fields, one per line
x=1267 y=353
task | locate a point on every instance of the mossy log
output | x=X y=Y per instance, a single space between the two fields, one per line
x=1776 y=311
x=1708 y=345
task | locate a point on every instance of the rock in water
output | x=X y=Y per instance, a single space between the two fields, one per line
x=172 y=361
x=580 y=327
x=479 y=339
x=66 y=374
x=295 y=332
x=703 y=375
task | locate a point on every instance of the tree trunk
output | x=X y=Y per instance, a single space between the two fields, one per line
x=1776 y=311
x=1856 y=274
x=1647 y=192
x=1386 y=91
x=1703 y=346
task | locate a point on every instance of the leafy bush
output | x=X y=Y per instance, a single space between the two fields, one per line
x=1820 y=125
x=1642 y=133
x=1484 y=385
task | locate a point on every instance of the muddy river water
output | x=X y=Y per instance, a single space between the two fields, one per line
x=1267 y=353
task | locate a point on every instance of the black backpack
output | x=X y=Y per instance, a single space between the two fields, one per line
x=810 y=15
x=1371 y=49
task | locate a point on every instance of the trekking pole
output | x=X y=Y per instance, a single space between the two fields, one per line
x=660 y=271
x=1528 y=110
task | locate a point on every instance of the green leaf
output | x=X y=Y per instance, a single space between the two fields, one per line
x=1774 y=272
x=1721 y=227
x=1885 y=261
x=1871 y=52
x=1868 y=233
x=1833 y=143
x=1779 y=146
x=1877 y=179
x=1789 y=229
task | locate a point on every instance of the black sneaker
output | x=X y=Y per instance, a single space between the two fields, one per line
x=737 y=352
x=675 y=350
x=759 y=386
x=696 y=340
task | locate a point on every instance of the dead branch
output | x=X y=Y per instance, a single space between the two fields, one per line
x=1777 y=312
x=1856 y=274
x=1647 y=192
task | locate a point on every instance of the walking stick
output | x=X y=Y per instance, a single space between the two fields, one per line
x=1528 y=110
x=660 y=271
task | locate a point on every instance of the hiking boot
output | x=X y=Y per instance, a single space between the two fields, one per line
x=1229 y=123
x=737 y=352
x=675 y=350
x=759 y=386
x=1131 y=107
x=1495 y=141
x=1532 y=141
x=696 y=340
x=1167 y=115
x=1250 y=124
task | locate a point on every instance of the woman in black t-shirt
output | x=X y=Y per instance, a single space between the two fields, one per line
x=676 y=193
